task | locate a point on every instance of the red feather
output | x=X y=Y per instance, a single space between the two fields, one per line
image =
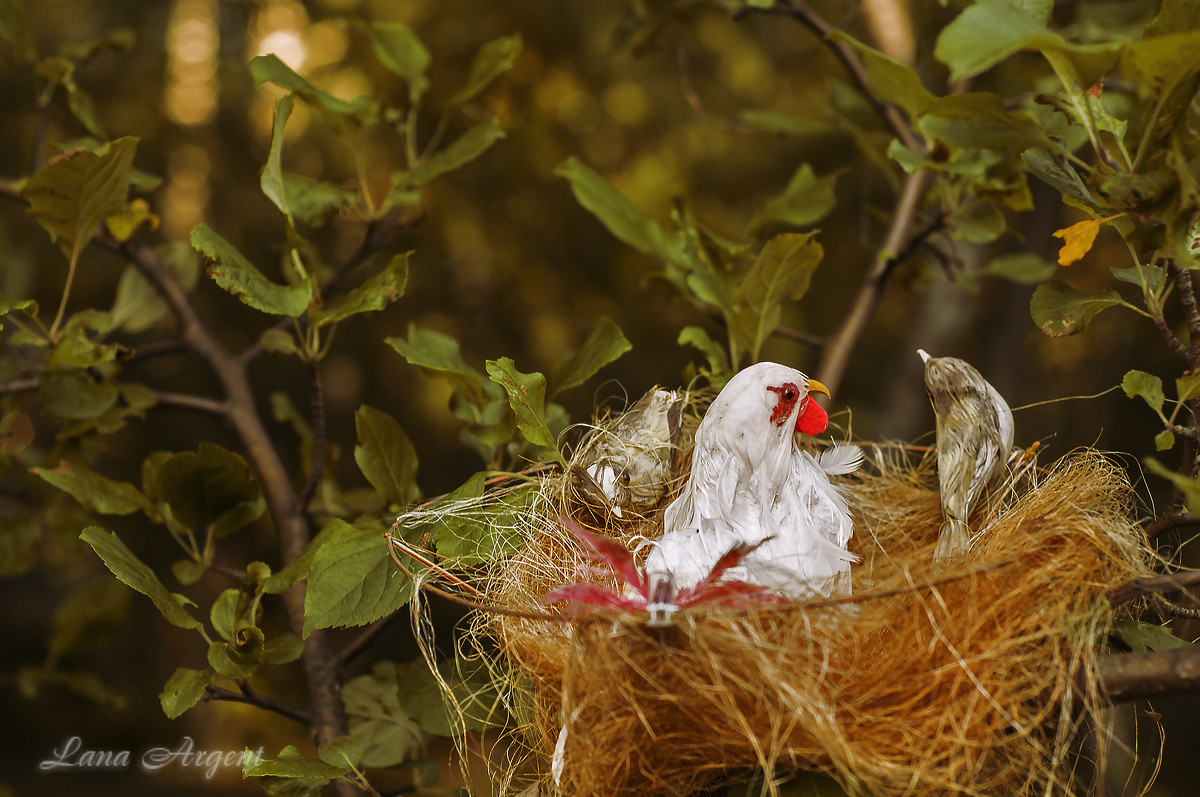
x=609 y=552
x=593 y=596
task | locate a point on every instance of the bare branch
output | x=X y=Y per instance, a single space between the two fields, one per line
x=1138 y=676
x=891 y=116
x=248 y=695
x=317 y=418
x=1170 y=520
x=1173 y=342
x=900 y=242
x=25 y=384
x=190 y=402
x=1168 y=582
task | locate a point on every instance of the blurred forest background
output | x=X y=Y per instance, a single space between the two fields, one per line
x=671 y=101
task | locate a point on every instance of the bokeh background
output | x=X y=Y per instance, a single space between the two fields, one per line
x=652 y=95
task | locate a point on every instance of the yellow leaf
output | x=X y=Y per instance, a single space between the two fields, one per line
x=1077 y=240
x=123 y=225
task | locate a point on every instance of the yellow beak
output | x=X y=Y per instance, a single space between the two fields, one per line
x=814 y=386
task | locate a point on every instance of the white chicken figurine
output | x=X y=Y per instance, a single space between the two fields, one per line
x=751 y=484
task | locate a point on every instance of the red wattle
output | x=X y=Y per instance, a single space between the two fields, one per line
x=812 y=419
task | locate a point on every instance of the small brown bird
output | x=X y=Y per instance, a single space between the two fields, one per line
x=974 y=438
x=625 y=467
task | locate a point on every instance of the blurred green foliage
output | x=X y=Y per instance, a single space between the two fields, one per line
x=455 y=215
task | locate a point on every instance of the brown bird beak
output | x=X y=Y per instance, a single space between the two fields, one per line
x=813 y=386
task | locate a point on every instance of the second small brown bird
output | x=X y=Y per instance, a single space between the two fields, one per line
x=974 y=438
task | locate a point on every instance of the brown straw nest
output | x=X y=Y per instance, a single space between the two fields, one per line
x=972 y=677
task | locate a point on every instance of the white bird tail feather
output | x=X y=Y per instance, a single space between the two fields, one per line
x=841 y=459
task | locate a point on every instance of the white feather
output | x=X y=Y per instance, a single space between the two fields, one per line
x=841 y=459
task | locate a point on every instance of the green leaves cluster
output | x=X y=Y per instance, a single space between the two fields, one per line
x=749 y=292
x=506 y=401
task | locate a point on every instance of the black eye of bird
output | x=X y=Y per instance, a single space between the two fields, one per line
x=789 y=394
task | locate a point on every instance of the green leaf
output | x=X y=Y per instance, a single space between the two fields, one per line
x=1058 y=309
x=388 y=735
x=132 y=572
x=1162 y=62
x=239 y=658
x=527 y=397
x=474 y=531
x=97 y=493
x=20 y=539
x=315 y=202
x=291 y=763
x=1189 y=486
x=72 y=194
x=784 y=124
x=353 y=580
x=490 y=62
x=283 y=649
x=15 y=33
x=386 y=456
x=183 y=690
x=402 y=53
x=980 y=224
x=233 y=272
x=1142 y=637
x=806 y=200
x=604 y=344
x=206 y=486
x=887 y=78
x=376 y=293
x=271 y=178
x=1148 y=386
x=1056 y=171
x=342 y=751
x=464 y=149
x=1164 y=440
x=618 y=214
x=979 y=119
x=89 y=612
x=718 y=358
x=269 y=69
x=278 y=342
x=229 y=612
x=1188 y=386
x=986 y=34
x=440 y=354
x=782 y=270
x=298 y=568
x=1024 y=268
x=72 y=396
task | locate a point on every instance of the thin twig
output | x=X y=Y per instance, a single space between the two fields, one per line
x=1191 y=314
x=1153 y=585
x=1173 y=342
x=157 y=348
x=1174 y=609
x=248 y=695
x=1137 y=676
x=1170 y=520
x=25 y=384
x=890 y=114
x=899 y=243
x=190 y=402
x=317 y=413
x=363 y=641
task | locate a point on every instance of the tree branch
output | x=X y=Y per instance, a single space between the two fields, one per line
x=364 y=640
x=1138 y=676
x=25 y=384
x=248 y=695
x=190 y=402
x=890 y=114
x=899 y=243
x=1168 y=582
x=1170 y=520
x=320 y=668
x=1191 y=314
x=317 y=417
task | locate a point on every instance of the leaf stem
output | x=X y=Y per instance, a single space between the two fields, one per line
x=62 y=305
